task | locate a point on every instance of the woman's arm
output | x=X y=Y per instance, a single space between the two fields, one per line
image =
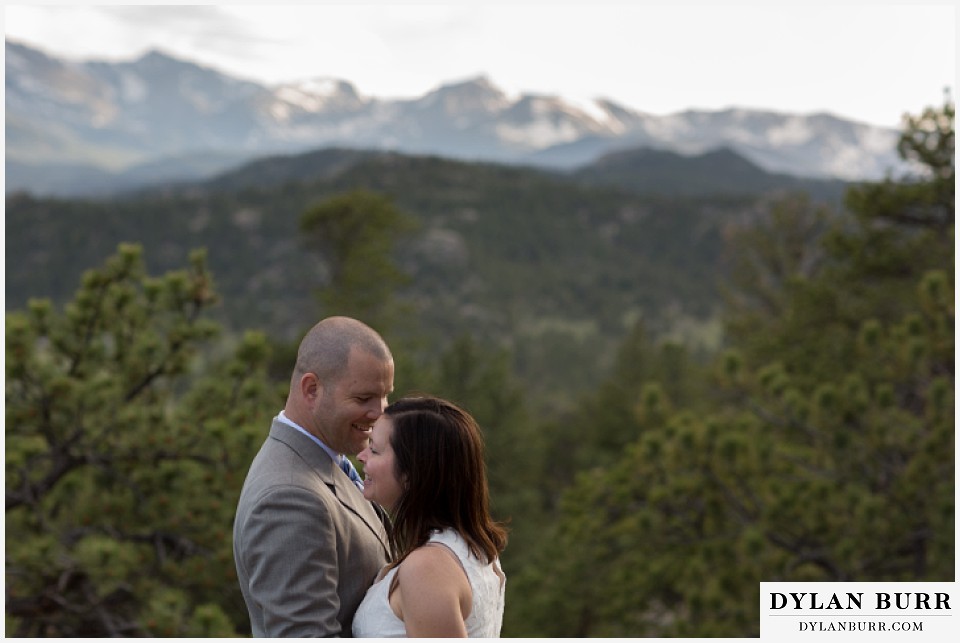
x=433 y=596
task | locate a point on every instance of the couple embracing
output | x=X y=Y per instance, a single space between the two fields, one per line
x=411 y=550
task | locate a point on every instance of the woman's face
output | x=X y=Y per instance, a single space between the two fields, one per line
x=380 y=482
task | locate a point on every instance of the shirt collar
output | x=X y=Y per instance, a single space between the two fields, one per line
x=333 y=454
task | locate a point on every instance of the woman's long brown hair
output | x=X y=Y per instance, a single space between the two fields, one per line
x=438 y=456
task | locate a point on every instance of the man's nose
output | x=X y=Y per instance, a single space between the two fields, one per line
x=377 y=409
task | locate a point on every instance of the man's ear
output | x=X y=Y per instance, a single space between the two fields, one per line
x=310 y=386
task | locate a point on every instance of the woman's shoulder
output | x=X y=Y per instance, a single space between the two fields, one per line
x=428 y=560
x=436 y=568
x=440 y=556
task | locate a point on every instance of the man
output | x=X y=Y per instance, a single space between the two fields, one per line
x=307 y=545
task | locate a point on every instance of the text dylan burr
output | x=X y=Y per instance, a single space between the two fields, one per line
x=854 y=600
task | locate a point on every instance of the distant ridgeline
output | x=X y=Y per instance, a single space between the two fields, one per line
x=93 y=127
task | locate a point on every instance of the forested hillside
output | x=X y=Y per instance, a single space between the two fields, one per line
x=681 y=396
x=538 y=263
x=719 y=172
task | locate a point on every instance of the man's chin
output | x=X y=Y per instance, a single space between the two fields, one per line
x=358 y=447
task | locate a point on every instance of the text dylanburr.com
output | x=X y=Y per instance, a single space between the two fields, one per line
x=860 y=611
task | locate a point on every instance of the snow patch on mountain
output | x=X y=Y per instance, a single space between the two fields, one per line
x=876 y=140
x=298 y=96
x=133 y=89
x=793 y=131
x=538 y=133
x=669 y=127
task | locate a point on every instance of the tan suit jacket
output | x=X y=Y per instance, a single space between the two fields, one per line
x=306 y=543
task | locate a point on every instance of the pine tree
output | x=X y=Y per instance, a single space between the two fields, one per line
x=355 y=235
x=126 y=445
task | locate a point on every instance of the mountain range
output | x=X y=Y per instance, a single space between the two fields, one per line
x=94 y=127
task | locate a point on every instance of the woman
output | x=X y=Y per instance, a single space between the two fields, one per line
x=424 y=465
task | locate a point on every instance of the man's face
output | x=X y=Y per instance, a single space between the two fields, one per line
x=346 y=409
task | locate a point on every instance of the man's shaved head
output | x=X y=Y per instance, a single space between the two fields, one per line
x=325 y=349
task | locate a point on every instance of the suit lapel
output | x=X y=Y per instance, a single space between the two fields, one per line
x=336 y=480
x=352 y=498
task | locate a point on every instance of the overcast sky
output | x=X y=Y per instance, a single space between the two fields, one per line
x=867 y=61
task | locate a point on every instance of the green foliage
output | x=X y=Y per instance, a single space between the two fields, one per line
x=355 y=234
x=804 y=281
x=765 y=254
x=125 y=450
x=826 y=454
x=848 y=480
x=647 y=379
x=479 y=378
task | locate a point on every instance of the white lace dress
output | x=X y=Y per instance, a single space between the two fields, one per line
x=375 y=618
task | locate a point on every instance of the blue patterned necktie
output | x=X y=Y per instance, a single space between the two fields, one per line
x=349 y=469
